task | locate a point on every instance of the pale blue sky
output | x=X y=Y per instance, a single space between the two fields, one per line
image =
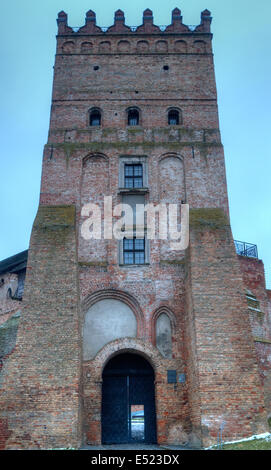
x=242 y=38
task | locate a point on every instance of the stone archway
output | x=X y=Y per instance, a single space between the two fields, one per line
x=128 y=400
x=93 y=380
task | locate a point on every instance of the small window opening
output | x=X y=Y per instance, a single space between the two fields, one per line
x=95 y=118
x=133 y=117
x=253 y=302
x=134 y=250
x=96 y=67
x=133 y=175
x=166 y=67
x=173 y=117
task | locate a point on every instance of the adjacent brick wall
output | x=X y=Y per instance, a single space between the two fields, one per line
x=260 y=318
x=8 y=306
x=41 y=379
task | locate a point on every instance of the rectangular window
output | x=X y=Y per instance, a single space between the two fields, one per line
x=133 y=175
x=134 y=250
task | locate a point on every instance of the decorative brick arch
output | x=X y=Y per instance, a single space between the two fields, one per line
x=122 y=296
x=94 y=155
x=171 y=154
x=127 y=345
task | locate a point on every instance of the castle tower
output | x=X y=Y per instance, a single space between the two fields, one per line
x=114 y=331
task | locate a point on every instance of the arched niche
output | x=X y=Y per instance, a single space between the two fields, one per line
x=180 y=46
x=199 y=47
x=163 y=335
x=94 y=186
x=142 y=46
x=95 y=178
x=86 y=47
x=161 y=46
x=171 y=193
x=105 y=321
x=68 y=47
x=123 y=46
x=171 y=179
x=105 y=47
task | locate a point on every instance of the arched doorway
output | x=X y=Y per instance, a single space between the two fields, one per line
x=128 y=402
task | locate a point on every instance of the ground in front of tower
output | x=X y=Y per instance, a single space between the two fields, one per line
x=136 y=447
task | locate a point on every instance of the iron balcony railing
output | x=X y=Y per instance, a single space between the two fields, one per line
x=162 y=28
x=246 y=249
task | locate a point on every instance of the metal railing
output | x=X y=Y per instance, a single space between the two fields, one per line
x=162 y=28
x=246 y=249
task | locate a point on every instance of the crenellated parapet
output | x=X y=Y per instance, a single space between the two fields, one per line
x=90 y=26
x=177 y=25
x=147 y=27
x=119 y=25
x=205 y=25
x=62 y=23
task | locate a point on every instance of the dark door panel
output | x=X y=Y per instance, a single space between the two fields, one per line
x=128 y=401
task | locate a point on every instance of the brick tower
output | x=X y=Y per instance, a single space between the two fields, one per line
x=115 y=331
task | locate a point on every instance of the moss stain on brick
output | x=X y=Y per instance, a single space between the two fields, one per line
x=99 y=146
x=8 y=334
x=55 y=216
x=92 y=263
x=213 y=218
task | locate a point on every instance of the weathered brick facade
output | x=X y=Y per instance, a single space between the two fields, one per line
x=52 y=383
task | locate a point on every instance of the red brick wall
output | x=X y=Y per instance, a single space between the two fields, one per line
x=223 y=366
x=254 y=280
x=40 y=380
x=66 y=274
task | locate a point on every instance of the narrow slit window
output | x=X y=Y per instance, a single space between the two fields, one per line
x=134 y=250
x=173 y=117
x=133 y=176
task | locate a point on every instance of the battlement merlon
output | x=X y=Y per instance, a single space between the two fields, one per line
x=147 y=27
